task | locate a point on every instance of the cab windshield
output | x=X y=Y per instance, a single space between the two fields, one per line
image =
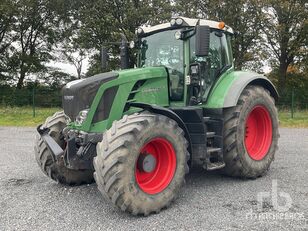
x=163 y=49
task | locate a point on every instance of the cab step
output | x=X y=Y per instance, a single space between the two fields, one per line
x=214 y=166
x=206 y=119
x=211 y=150
x=210 y=134
x=214 y=159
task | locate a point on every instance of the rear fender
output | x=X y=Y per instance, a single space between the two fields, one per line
x=227 y=91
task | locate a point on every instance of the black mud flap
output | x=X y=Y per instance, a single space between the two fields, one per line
x=52 y=145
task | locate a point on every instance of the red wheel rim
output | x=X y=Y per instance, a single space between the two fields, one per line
x=157 y=180
x=258 y=134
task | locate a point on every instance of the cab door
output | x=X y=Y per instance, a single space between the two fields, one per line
x=212 y=66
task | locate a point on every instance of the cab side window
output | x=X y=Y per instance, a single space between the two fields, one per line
x=219 y=56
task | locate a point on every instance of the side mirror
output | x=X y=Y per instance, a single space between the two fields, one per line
x=104 y=58
x=202 y=40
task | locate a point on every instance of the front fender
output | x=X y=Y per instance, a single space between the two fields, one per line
x=166 y=112
x=228 y=89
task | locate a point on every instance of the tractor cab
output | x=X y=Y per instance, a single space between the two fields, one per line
x=196 y=52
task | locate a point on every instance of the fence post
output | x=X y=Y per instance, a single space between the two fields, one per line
x=33 y=99
x=292 y=104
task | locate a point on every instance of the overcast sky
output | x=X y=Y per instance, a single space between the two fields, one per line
x=69 y=68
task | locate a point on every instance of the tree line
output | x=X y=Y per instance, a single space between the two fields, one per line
x=34 y=33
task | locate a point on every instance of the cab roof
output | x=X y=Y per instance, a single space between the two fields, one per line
x=186 y=22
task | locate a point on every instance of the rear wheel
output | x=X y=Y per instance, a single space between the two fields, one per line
x=250 y=134
x=57 y=170
x=141 y=163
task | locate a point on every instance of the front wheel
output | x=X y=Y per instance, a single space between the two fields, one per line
x=141 y=163
x=250 y=134
x=57 y=170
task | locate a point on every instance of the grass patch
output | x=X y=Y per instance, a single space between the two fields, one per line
x=23 y=116
x=300 y=119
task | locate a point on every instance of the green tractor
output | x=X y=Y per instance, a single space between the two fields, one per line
x=137 y=132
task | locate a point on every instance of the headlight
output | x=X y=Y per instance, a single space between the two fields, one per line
x=172 y=22
x=179 y=21
x=176 y=22
x=81 y=116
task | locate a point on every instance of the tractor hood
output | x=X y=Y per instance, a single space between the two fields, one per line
x=79 y=94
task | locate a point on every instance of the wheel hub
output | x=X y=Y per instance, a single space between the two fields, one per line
x=146 y=163
x=155 y=166
x=258 y=132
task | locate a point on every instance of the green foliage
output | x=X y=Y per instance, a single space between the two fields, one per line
x=242 y=16
x=104 y=22
x=44 y=96
x=29 y=30
x=55 y=79
x=34 y=32
x=285 y=26
x=7 y=12
x=296 y=84
x=37 y=27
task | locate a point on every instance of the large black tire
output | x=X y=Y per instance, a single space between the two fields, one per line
x=57 y=170
x=116 y=162
x=241 y=160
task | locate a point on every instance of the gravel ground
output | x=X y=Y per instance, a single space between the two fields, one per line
x=31 y=201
